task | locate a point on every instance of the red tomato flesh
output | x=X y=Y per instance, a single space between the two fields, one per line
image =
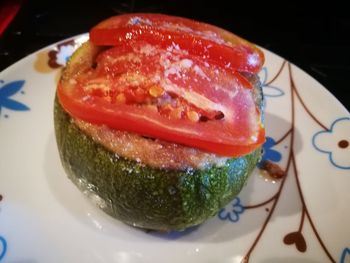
x=203 y=40
x=167 y=93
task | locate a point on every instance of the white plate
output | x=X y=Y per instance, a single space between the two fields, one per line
x=303 y=217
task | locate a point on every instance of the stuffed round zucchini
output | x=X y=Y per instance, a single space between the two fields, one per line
x=159 y=119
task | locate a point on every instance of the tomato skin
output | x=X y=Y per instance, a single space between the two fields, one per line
x=135 y=120
x=205 y=41
x=179 y=85
x=219 y=136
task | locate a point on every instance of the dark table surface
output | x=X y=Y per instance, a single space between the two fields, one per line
x=314 y=37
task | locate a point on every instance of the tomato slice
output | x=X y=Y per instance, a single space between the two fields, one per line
x=168 y=94
x=203 y=40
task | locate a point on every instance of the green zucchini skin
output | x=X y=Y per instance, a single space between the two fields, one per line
x=143 y=196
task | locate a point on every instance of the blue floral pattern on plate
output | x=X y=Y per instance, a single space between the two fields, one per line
x=269 y=153
x=234 y=214
x=3 y=243
x=6 y=92
x=335 y=142
x=345 y=256
x=269 y=90
x=3 y=247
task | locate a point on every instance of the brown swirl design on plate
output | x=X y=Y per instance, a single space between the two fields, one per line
x=295 y=238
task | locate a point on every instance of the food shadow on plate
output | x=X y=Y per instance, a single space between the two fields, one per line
x=214 y=230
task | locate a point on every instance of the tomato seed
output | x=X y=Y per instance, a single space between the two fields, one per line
x=121 y=98
x=192 y=115
x=176 y=113
x=156 y=91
